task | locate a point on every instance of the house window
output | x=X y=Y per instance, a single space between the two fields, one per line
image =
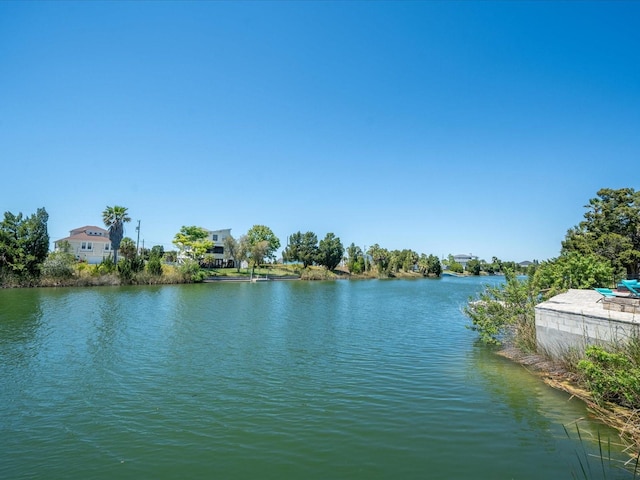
x=215 y=238
x=107 y=247
x=219 y=250
x=86 y=246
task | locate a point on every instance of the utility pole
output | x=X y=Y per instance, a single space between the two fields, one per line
x=138 y=241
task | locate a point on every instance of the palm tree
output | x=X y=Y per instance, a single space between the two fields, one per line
x=114 y=218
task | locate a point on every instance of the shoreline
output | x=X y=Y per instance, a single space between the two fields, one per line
x=624 y=420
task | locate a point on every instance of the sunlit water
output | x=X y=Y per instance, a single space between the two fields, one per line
x=299 y=380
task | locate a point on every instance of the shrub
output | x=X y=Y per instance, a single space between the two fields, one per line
x=509 y=308
x=191 y=271
x=154 y=265
x=611 y=376
x=127 y=267
x=106 y=266
x=58 y=265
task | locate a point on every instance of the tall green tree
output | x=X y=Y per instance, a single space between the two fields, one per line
x=573 y=270
x=380 y=257
x=430 y=265
x=355 y=259
x=128 y=248
x=193 y=242
x=474 y=266
x=24 y=243
x=114 y=219
x=242 y=252
x=154 y=264
x=231 y=250
x=610 y=229
x=262 y=244
x=330 y=251
x=157 y=251
x=302 y=247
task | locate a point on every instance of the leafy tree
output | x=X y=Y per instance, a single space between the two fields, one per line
x=157 y=251
x=242 y=252
x=506 y=310
x=330 y=251
x=433 y=265
x=487 y=267
x=456 y=267
x=262 y=244
x=130 y=263
x=355 y=259
x=572 y=270
x=302 y=248
x=380 y=257
x=452 y=265
x=409 y=260
x=474 y=266
x=24 y=243
x=154 y=264
x=193 y=242
x=128 y=248
x=231 y=250
x=404 y=260
x=114 y=219
x=610 y=229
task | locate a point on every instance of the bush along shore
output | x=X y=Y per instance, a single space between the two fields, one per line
x=606 y=378
x=63 y=270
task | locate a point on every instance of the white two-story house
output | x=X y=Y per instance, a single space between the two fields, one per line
x=89 y=243
x=218 y=237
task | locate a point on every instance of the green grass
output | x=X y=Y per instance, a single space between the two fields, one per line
x=270 y=270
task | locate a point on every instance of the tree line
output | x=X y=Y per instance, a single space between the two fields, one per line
x=605 y=246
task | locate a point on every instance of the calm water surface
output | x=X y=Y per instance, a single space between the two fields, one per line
x=349 y=379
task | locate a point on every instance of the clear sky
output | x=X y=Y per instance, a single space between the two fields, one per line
x=444 y=127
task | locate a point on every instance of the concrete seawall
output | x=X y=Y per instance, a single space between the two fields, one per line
x=578 y=318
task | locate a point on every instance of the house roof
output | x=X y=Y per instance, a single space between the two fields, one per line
x=90 y=227
x=81 y=235
x=84 y=237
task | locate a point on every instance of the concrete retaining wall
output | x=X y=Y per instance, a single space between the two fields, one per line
x=577 y=318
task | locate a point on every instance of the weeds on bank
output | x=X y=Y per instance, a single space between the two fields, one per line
x=592 y=465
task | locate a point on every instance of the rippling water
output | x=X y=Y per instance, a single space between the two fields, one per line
x=349 y=379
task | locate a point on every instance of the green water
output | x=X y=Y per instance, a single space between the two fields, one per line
x=299 y=380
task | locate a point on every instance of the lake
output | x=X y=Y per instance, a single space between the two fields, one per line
x=367 y=379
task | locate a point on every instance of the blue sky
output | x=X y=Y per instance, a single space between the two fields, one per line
x=444 y=127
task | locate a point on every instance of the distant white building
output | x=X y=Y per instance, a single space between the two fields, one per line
x=463 y=259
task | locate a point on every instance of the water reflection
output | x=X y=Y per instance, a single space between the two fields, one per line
x=542 y=416
x=20 y=320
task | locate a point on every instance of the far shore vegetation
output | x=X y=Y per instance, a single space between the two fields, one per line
x=25 y=259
